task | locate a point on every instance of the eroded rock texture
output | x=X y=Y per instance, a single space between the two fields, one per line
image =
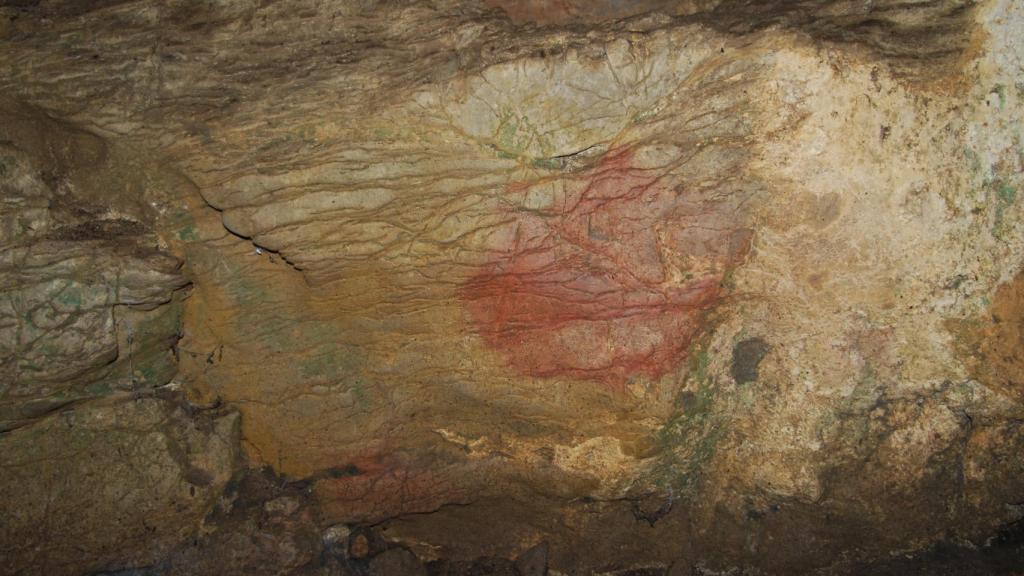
x=109 y=486
x=689 y=285
x=89 y=303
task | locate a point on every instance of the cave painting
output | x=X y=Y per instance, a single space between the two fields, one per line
x=611 y=279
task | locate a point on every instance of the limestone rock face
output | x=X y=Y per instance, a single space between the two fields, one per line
x=726 y=284
x=102 y=466
x=82 y=281
x=109 y=486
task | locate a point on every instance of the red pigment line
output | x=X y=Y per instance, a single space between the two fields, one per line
x=583 y=292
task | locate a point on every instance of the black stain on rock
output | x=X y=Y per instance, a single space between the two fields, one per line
x=746 y=357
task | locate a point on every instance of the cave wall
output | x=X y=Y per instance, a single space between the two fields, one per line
x=694 y=283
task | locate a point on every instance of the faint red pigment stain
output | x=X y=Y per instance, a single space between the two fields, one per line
x=612 y=282
x=384 y=487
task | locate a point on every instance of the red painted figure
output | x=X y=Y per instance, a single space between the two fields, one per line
x=611 y=283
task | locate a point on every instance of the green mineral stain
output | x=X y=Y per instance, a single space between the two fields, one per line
x=504 y=155
x=6 y=164
x=546 y=163
x=337 y=364
x=865 y=393
x=515 y=134
x=236 y=282
x=160 y=323
x=641 y=116
x=689 y=438
x=184 y=225
x=973 y=160
x=330 y=362
x=729 y=279
x=358 y=389
x=506 y=135
x=187 y=233
x=99 y=388
x=1007 y=193
x=70 y=296
x=147 y=374
x=699 y=366
x=1000 y=91
x=147 y=361
x=49 y=350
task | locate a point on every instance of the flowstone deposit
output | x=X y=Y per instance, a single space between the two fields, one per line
x=511 y=287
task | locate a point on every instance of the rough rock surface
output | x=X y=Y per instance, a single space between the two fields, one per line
x=109 y=485
x=707 y=284
x=258 y=527
x=102 y=466
x=80 y=279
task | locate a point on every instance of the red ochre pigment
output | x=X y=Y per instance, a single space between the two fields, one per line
x=585 y=291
